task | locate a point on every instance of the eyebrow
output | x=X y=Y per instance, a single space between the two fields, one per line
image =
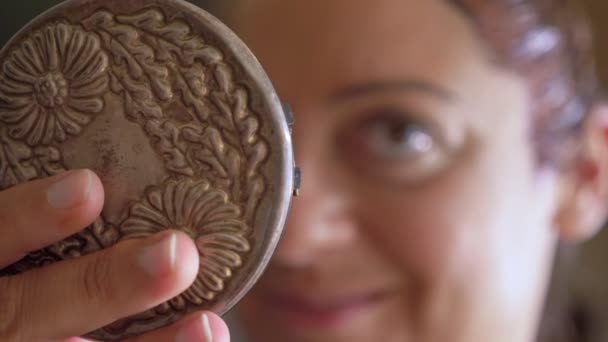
x=369 y=88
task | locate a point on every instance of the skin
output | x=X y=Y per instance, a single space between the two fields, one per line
x=445 y=234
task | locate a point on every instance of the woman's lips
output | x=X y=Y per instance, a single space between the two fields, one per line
x=322 y=312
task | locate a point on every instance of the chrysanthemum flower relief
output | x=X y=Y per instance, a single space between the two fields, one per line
x=53 y=84
x=208 y=216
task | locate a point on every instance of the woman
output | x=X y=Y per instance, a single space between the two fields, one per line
x=447 y=147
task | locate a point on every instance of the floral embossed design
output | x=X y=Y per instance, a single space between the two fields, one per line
x=52 y=83
x=191 y=102
x=209 y=218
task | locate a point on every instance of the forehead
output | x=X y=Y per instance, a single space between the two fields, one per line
x=326 y=44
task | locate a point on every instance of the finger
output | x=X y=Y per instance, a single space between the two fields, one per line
x=198 y=327
x=36 y=214
x=74 y=297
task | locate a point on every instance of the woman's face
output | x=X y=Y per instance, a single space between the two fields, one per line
x=423 y=215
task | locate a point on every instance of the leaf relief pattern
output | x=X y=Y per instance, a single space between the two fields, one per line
x=15 y=161
x=135 y=72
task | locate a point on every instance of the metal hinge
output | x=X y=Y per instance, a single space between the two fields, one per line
x=297 y=173
x=297 y=181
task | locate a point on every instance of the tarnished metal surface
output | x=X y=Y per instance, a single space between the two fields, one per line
x=178 y=119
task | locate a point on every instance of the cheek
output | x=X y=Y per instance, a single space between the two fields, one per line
x=481 y=225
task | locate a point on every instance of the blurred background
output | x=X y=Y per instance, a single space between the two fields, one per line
x=581 y=277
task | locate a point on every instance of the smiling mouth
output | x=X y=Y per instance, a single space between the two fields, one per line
x=307 y=312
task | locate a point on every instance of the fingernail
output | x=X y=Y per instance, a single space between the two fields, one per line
x=159 y=258
x=70 y=191
x=206 y=328
x=192 y=332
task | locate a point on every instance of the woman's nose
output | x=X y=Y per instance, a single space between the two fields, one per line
x=320 y=222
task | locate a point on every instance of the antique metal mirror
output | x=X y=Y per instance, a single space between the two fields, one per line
x=178 y=119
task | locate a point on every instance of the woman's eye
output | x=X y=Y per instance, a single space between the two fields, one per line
x=394 y=147
x=398 y=139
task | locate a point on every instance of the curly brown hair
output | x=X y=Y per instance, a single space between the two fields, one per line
x=549 y=42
